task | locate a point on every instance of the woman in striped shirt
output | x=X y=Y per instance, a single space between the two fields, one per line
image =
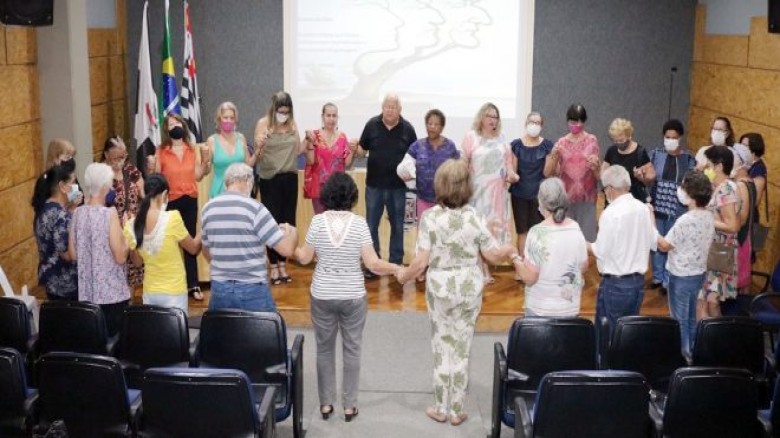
x=340 y=239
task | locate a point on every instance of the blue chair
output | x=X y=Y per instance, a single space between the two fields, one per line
x=17 y=401
x=152 y=337
x=256 y=343
x=770 y=418
x=15 y=331
x=708 y=402
x=587 y=404
x=536 y=346
x=765 y=307
x=202 y=402
x=88 y=392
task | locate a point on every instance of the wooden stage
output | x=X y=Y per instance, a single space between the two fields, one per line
x=502 y=302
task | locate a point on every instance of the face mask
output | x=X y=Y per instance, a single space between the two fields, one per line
x=575 y=129
x=281 y=118
x=718 y=137
x=623 y=146
x=710 y=173
x=683 y=197
x=671 y=144
x=227 y=126
x=111 y=198
x=73 y=193
x=177 y=133
x=533 y=129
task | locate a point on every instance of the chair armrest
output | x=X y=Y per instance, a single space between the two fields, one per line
x=766 y=422
x=32 y=343
x=500 y=361
x=112 y=344
x=194 y=350
x=136 y=414
x=517 y=376
x=604 y=343
x=688 y=356
x=499 y=380
x=766 y=278
x=277 y=373
x=523 y=425
x=296 y=361
x=656 y=412
x=296 y=352
x=265 y=409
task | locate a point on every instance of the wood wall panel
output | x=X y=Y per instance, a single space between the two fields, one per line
x=98 y=80
x=100 y=129
x=18 y=94
x=2 y=46
x=764 y=46
x=21 y=45
x=20 y=264
x=101 y=42
x=17 y=145
x=17 y=222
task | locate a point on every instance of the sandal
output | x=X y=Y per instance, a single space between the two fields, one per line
x=348 y=416
x=457 y=420
x=195 y=293
x=325 y=414
x=434 y=415
x=275 y=279
x=283 y=276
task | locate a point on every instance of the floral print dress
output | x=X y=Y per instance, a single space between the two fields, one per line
x=453 y=287
x=126 y=205
x=720 y=283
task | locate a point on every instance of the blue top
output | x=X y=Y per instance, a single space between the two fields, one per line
x=530 y=167
x=57 y=275
x=428 y=161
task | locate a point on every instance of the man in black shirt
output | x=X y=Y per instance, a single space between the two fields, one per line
x=386 y=138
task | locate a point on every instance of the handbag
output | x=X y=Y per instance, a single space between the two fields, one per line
x=759 y=232
x=722 y=258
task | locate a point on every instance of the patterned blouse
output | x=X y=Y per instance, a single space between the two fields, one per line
x=581 y=185
x=56 y=274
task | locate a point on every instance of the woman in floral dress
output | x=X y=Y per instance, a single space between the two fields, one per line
x=491 y=165
x=725 y=205
x=452 y=237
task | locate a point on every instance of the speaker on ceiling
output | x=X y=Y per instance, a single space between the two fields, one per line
x=27 y=12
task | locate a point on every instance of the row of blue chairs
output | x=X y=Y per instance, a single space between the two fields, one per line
x=254 y=343
x=648 y=348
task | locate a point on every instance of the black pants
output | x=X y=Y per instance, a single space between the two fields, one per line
x=187 y=206
x=280 y=196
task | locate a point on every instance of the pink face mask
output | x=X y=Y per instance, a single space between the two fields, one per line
x=227 y=126
x=576 y=128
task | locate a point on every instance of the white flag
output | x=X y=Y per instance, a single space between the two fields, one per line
x=190 y=99
x=147 y=126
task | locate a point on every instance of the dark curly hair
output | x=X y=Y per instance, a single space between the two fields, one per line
x=698 y=187
x=721 y=155
x=339 y=192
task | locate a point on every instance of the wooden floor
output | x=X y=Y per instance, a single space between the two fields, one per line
x=502 y=303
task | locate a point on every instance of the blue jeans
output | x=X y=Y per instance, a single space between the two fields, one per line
x=255 y=297
x=618 y=296
x=683 y=292
x=659 y=257
x=395 y=201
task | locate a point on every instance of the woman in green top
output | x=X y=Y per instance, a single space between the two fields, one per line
x=227 y=146
x=277 y=147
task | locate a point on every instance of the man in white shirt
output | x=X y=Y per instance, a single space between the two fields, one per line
x=622 y=248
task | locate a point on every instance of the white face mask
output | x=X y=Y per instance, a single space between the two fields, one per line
x=683 y=197
x=671 y=144
x=533 y=129
x=281 y=118
x=73 y=193
x=718 y=137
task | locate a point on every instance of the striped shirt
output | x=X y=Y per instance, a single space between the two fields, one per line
x=338 y=238
x=236 y=229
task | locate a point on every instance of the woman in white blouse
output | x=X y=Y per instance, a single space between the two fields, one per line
x=340 y=239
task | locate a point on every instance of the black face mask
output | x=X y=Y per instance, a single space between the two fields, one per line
x=177 y=133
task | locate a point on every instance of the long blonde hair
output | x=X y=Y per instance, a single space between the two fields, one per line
x=477 y=124
x=56 y=148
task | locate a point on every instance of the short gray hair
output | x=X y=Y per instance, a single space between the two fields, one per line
x=237 y=172
x=391 y=97
x=552 y=197
x=97 y=176
x=616 y=176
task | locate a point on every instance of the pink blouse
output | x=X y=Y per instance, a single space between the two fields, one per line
x=580 y=182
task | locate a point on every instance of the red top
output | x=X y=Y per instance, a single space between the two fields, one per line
x=179 y=173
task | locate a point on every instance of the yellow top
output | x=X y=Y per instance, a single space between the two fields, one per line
x=163 y=261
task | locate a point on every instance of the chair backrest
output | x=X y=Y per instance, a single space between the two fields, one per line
x=13 y=386
x=538 y=346
x=14 y=324
x=154 y=336
x=87 y=391
x=708 y=402
x=592 y=404
x=72 y=326
x=775 y=279
x=649 y=345
x=243 y=340
x=730 y=341
x=197 y=402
